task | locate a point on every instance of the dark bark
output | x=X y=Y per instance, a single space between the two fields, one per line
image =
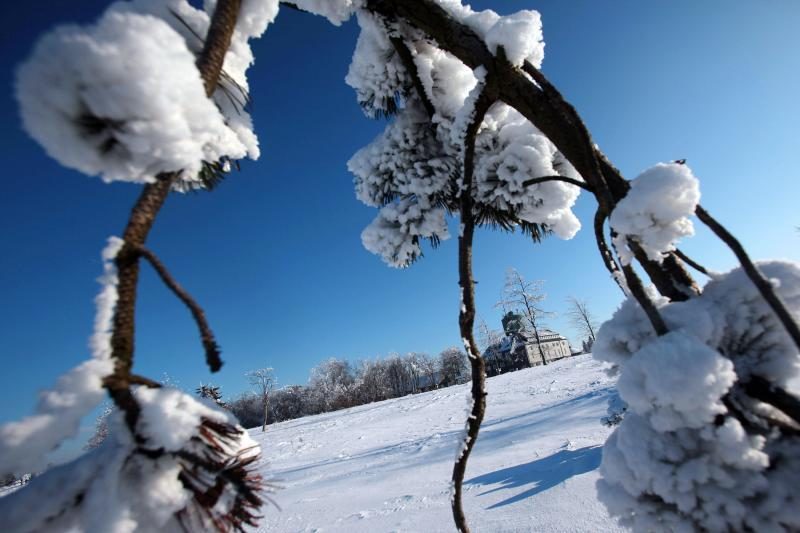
x=762 y=284
x=689 y=261
x=206 y=335
x=543 y=179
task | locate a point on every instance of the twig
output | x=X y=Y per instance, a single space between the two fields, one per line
x=608 y=258
x=688 y=260
x=762 y=284
x=206 y=335
x=571 y=181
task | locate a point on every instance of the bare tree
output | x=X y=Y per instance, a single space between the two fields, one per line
x=264 y=381
x=582 y=318
x=526 y=297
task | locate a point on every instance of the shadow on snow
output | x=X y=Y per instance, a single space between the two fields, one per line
x=543 y=473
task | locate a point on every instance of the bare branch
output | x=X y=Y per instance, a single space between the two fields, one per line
x=206 y=335
x=571 y=181
x=762 y=284
x=605 y=252
x=688 y=260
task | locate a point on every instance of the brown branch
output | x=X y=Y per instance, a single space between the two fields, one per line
x=141 y=222
x=571 y=181
x=466 y=317
x=762 y=284
x=762 y=390
x=608 y=258
x=218 y=39
x=688 y=260
x=206 y=335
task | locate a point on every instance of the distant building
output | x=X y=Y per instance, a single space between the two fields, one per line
x=520 y=349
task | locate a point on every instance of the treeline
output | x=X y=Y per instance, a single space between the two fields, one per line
x=337 y=384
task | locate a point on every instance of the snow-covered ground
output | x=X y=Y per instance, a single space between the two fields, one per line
x=386 y=466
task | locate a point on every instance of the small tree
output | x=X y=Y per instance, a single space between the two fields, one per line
x=582 y=318
x=263 y=381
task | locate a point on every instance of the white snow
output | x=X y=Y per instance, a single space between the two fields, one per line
x=336 y=11
x=386 y=466
x=682 y=459
x=122 y=99
x=655 y=210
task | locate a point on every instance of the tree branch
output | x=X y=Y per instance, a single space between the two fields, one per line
x=762 y=390
x=762 y=284
x=571 y=181
x=605 y=252
x=466 y=318
x=539 y=102
x=688 y=260
x=141 y=221
x=206 y=335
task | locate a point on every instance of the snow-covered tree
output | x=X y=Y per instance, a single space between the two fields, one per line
x=153 y=93
x=263 y=381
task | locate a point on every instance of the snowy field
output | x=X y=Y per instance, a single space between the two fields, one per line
x=386 y=466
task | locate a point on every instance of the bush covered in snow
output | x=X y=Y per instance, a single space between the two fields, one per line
x=695 y=450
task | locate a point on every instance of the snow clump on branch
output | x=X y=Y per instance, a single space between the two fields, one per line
x=694 y=450
x=413 y=169
x=123 y=98
x=655 y=210
x=24 y=444
x=193 y=474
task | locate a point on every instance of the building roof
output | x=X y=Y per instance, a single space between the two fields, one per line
x=522 y=338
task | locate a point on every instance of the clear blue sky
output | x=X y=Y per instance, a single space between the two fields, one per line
x=274 y=255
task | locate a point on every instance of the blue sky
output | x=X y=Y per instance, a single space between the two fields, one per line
x=274 y=255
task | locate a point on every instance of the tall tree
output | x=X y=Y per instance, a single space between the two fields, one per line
x=263 y=380
x=526 y=297
x=582 y=318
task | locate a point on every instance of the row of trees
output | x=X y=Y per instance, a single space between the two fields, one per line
x=333 y=384
x=337 y=384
